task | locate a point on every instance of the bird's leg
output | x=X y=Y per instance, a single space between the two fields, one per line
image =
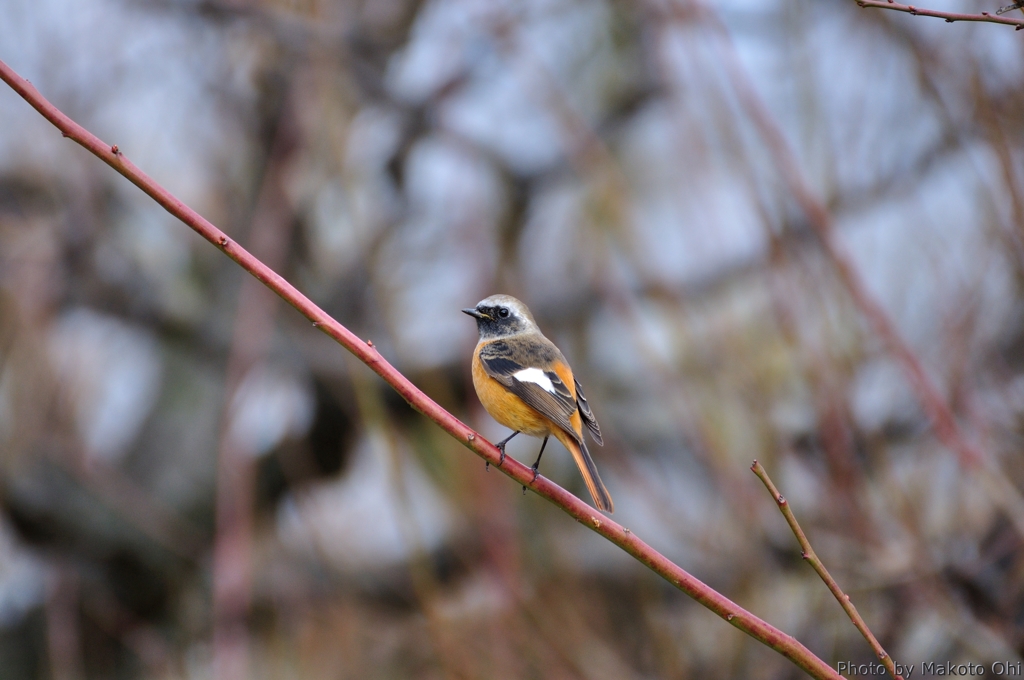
x=536 y=464
x=501 y=447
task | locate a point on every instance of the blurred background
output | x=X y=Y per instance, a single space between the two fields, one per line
x=195 y=483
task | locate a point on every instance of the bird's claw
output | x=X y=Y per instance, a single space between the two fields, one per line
x=501 y=461
x=534 y=468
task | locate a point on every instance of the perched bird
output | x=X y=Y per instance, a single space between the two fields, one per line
x=525 y=384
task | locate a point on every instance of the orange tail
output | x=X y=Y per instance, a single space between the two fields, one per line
x=598 y=491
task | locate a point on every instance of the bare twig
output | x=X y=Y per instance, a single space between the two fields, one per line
x=815 y=562
x=950 y=17
x=368 y=354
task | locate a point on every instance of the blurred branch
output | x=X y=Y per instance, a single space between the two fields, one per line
x=236 y=462
x=367 y=353
x=815 y=562
x=384 y=439
x=63 y=633
x=146 y=641
x=950 y=17
x=820 y=220
x=138 y=507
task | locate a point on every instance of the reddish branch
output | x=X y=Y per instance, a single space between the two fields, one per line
x=950 y=17
x=819 y=567
x=367 y=353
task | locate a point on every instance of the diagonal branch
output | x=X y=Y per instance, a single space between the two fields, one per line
x=815 y=562
x=950 y=17
x=368 y=354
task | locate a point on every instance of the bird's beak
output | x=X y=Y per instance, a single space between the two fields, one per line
x=473 y=312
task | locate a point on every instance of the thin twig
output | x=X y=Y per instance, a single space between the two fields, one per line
x=365 y=351
x=950 y=17
x=809 y=555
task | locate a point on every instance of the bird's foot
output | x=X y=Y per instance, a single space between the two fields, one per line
x=534 y=468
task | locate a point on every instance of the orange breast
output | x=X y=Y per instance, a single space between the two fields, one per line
x=505 y=407
x=513 y=412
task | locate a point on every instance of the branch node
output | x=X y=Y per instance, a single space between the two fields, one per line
x=803 y=554
x=471 y=437
x=370 y=343
x=730 y=616
x=781 y=500
x=223 y=241
x=114 y=150
x=596 y=521
x=626 y=530
x=949 y=21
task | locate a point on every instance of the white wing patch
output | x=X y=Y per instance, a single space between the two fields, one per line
x=536 y=376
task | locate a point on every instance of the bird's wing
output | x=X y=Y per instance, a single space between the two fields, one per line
x=588 y=415
x=528 y=371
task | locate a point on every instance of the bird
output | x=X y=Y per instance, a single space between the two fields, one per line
x=525 y=384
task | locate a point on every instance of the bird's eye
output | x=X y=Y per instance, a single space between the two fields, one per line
x=503 y=312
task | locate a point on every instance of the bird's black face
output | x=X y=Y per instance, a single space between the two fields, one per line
x=497 y=321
